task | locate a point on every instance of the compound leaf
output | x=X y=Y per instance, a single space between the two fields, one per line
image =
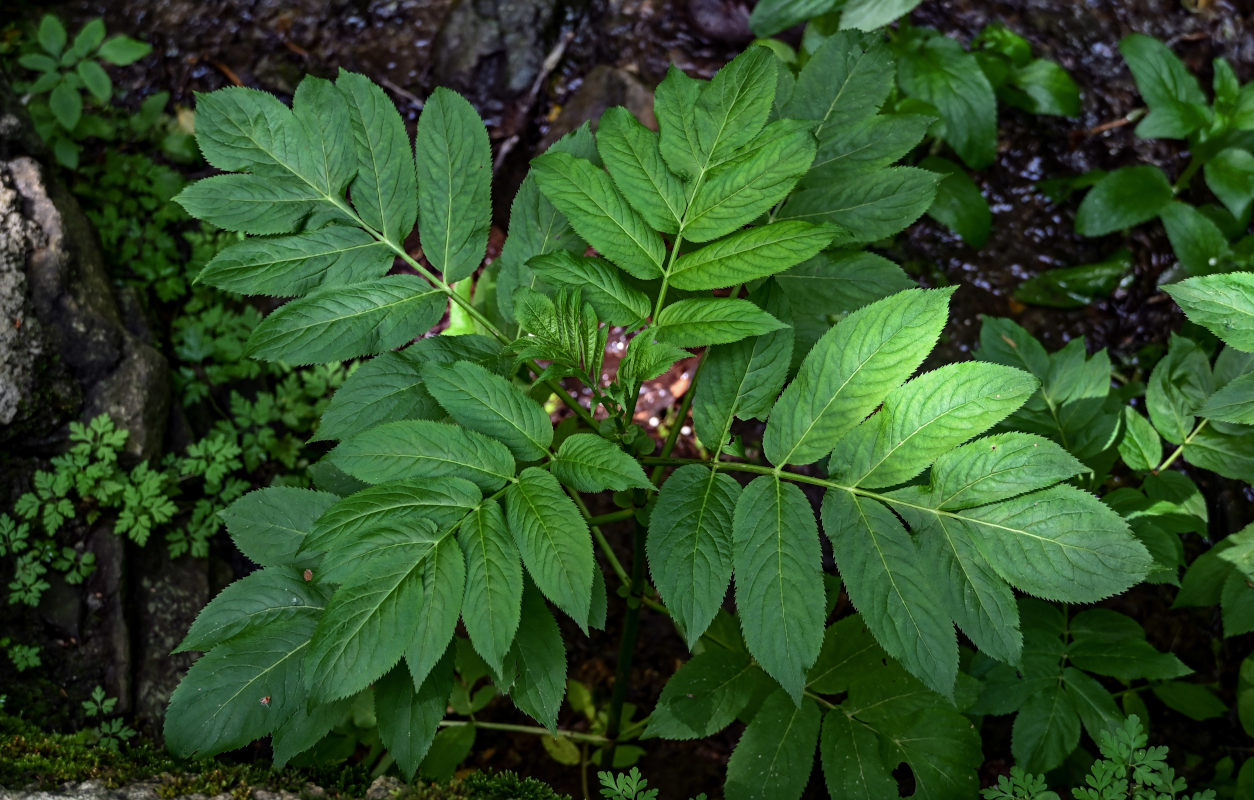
x=443 y=585
x=630 y=152
x=494 y=583
x=701 y=321
x=439 y=501
x=1223 y=304
x=289 y=266
x=258 y=600
x=588 y=463
x=615 y=300
x=554 y=541
x=749 y=255
x=385 y=191
x=490 y=404
x=997 y=468
x=774 y=757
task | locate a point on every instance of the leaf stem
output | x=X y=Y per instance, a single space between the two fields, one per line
x=685 y=406
x=1179 y=451
x=535 y=730
x=666 y=273
x=627 y=644
x=613 y=516
x=597 y=534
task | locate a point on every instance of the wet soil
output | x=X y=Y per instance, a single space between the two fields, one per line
x=522 y=85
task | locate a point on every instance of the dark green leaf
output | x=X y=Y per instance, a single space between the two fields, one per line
x=615 y=300
x=494 y=583
x=489 y=404
x=704 y=696
x=959 y=204
x=868 y=15
x=262 y=599
x=538 y=660
x=409 y=719
x=290 y=266
x=588 y=463
x=1073 y=287
x=385 y=192
x=630 y=152
x=873 y=207
x=121 y=51
x=749 y=255
x=248 y=203
x=941 y=73
x=554 y=541
x=1123 y=199
x=409 y=449
x=270 y=525
x=1230 y=175
x=1197 y=241
x=711 y=320
x=774 y=757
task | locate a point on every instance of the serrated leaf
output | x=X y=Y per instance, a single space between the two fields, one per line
x=385 y=191
x=856 y=150
x=264 y=598
x=320 y=107
x=847 y=645
x=1178 y=386
x=738 y=191
x=538 y=660
x=491 y=405
x=845 y=81
x=554 y=541
x=588 y=463
x=1233 y=402
x=1123 y=199
x=270 y=525
x=494 y=583
x=409 y=718
x=885 y=581
x=615 y=300
x=849 y=372
x=702 y=321
x=852 y=765
x=704 y=695
x=1223 y=304
x=369 y=622
x=926 y=418
x=1046 y=730
x=220 y=704
x=1060 y=544
x=941 y=73
x=304 y=728
x=690 y=545
x=410 y=449
x=999 y=467
x=455 y=180
x=1106 y=642
x=1161 y=77
x=442 y=501
x=1092 y=702
x=1140 y=447
x=630 y=152
x=340 y=322
x=779 y=580
x=674 y=104
x=873 y=207
x=774 y=757
x=443 y=586
x=290 y=266
x=733 y=106
x=248 y=203
x=599 y=213
x=749 y=255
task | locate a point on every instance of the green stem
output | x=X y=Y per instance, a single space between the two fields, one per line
x=1182 y=182
x=1171 y=459
x=685 y=406
x=613 y=516
x=535 y=730
x=666 y=274
x=599 y=536
x=627 y=644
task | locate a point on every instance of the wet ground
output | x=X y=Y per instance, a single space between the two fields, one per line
x=531 y=64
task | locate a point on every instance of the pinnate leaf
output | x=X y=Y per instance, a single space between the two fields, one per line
x=704 y=695
x=538 y=661
x=440 y=501
x=443 y=586
x=997 y=468
x=263 y=598
x=290 y=266
x=248 y=203
x=409 y=718
x=749 y=255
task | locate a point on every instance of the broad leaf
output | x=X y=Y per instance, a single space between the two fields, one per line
x=630 y=152
x=554 y=541
x=491 y=405
x=1223 y=304
x=704 y=696
x=289 y=266
x=1046 y=730
x=385 y=191
x=1123 y=199
x=845 y=81
x=941 y=73
x=588 y=463
x=852 y=765
x=734 y=105
x=264 y=598
x=248 y=203
x=711 y=320
x=870 y=208
x=774 y=757
x=868 y=15
x=494 y=583
x=410 y=449
x=443 y=586
x=749 y=255
x=441 y=501
x=997 y=468
x=270 y=525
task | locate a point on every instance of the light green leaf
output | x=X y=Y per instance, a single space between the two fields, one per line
x=95 y=79
x=852 y=765
x=489 y=404
x=121 y=51
x=704 y=696
x=926 y=418
x=443 y=586
x=941 y=73
x=868 y=15
x=630 y=152
x=1197 y=241
x=1060 y=544
x=774 y=757
x=1178 y=386
x=1123 y=199
x=494 y=583
x=702 y=321
x=850 y=371
x=66 y=104
x=289 y=266
x=997 y=468
x=615 y=300
x=1223 y=304
x=674 y=104
x=845 y=81
x=554 y=541
x=537 y=659
x=1161 y=77
x=340 y=322
x=599 y=213
x=51 y=34
x=749 y=255
x=409 y=719
x=248 y=203
x=270 y=525
x=779 y=580
x=1046 y=730
x=410 y=449
x=885 y=580
x=1140 y=447
x=1233 y=402
x=1230 y=175
x=690 y=545
x=769 y=17
x=872 y=207
x=218 y=705
x=588 y=463
x=259 y=600
x=385 y=191
x=455 y=181
x=439 y=501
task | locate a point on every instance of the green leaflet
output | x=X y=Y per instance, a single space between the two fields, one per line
x=385 y=191
x=588 y=463
x=1108 y=643
x=246 y=130
x=290 y=266
x=926 y=418
x=1123 y=199
x=1140 y=446
x=705 y=695
x=850 y=371
x=845 y=81
x=872 y=207
x=749 y=255
x=455 y=176
x=868 y=15
x=779 y=580
x=1046 y=730
x=1233 y=402
x=369 y=622
x=630 y=152
x=266 y=597
x=410 y=449
x=443 y=585
x=491 y=405
x=340 y=322
x=248 y=203
x=537 y=660
x=324 y=113
x=886 y=581
x=1230 y=175
x=1161 y=76
x=997 y=468
x=769 y=17
x=599 y=213
x=269 y=525
x=734 y=105
x=1223 y=304
x=409 y=718
x=853 y=151
x=738 y=191
x=1178 y=386
x=673 y=103
x=852 y=765
x=711 y=320
x=845 y=644
x=774 y=757
x=304 y=728
x=440 y=501
x=959 y=204
x=1197 y=241
x=690 y=545
x=615 y=300
x=494 y=583
x=941 y=73
x=554 y=541
x=219 y=705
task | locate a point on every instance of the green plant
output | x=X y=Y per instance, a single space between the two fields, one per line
x=111 y=733
x=452 y=493
x=629 y=786
x=68 y=72
x=1127 y=770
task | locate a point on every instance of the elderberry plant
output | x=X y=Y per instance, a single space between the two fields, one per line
x=452 y=495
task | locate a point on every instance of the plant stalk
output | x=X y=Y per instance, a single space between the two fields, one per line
x=532 y=729
x=627 y=644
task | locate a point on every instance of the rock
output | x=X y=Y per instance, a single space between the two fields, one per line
x=603 y=88
x=170 y=595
